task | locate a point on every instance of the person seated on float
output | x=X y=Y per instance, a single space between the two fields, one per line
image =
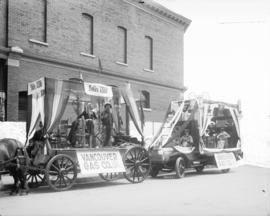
x=210 y=139
x=212 y=129
x=186 y=140
x=222 y=138
x=36 y=144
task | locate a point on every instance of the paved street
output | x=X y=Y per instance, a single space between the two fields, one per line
x=243 y=191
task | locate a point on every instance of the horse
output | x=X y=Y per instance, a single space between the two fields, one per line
x=10 y=152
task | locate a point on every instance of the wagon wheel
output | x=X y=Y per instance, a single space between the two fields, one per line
x=110 y=176
x=137 y=164
x=61 y=172
x=180 y=167
x=35 y=178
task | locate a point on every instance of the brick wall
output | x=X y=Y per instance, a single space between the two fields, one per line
x=2 y=22
x=30 y=70
x=65 y=36
x=65 y=30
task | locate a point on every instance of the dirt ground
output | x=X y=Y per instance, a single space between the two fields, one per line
x=243 y=191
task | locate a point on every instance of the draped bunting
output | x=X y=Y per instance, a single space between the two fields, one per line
x=52 y=101
x=235 y=114
x=116 y=108
x=132 y=108
x=165 y=131
x=202 y=111
x=56 y=97
x=158 y=134
x=37 y=113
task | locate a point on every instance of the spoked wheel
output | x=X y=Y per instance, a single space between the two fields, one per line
x=110 y=176
x=35 y=178
x=199 y=169
x=61 y=172
x=180 y=167
x=137 y=164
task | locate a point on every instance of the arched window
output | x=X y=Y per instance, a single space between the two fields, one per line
x=89 y=33
x=149 y=53
x=122 y=37
x=145 y=99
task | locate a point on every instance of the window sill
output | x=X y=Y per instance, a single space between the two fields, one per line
x=87 y=55
x=121 y=63
x=38 y=42
x=148 y=70
x=147 y=109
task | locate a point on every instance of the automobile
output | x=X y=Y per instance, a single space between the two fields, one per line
x=197 y=133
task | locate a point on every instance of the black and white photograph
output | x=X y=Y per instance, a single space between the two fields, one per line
x=135 y=107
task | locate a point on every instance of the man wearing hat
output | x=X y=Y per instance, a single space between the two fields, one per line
x=107 y=121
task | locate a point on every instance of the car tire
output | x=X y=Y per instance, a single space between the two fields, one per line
x=180 y=167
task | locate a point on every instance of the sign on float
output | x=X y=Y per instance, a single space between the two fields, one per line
x=225 y=160
x=100 y=162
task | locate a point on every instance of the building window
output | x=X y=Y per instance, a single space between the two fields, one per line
x=88 y=34
x=149 y=52
x=122 y=43
x=39 y=26
x=145 y=97
x=22 y=115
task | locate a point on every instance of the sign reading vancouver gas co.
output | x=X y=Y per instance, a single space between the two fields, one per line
x=100 y=162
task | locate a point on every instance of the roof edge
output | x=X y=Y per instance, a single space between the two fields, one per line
x=165 y=12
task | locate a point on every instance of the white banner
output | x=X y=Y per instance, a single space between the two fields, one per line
x=225 y=160
x=36 y=86
x=97 y=89
x=100 y=162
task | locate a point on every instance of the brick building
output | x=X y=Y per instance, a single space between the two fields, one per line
x=130 y=40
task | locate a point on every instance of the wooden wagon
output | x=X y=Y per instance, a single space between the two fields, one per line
x=58 y=152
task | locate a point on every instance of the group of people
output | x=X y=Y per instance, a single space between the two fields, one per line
x=216 y=139
x=90 y=116
x=212 y=138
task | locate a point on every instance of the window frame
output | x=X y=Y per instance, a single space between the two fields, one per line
x=91 y=36
x=123 y=61
x=150 y=61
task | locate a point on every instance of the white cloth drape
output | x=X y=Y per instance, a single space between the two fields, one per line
x=37 y=113
x=167 y=128
x=234 y=114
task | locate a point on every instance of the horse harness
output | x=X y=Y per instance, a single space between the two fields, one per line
x=20 y=159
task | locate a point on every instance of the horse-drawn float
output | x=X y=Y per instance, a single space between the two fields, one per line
x=75 y=127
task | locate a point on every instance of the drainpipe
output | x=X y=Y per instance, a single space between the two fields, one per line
x=7 y=21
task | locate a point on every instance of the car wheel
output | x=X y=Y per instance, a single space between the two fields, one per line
x=180 y=167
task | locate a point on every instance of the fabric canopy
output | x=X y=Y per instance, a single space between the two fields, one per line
x=52 y=100
x=165 y=132
x=132 y=108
